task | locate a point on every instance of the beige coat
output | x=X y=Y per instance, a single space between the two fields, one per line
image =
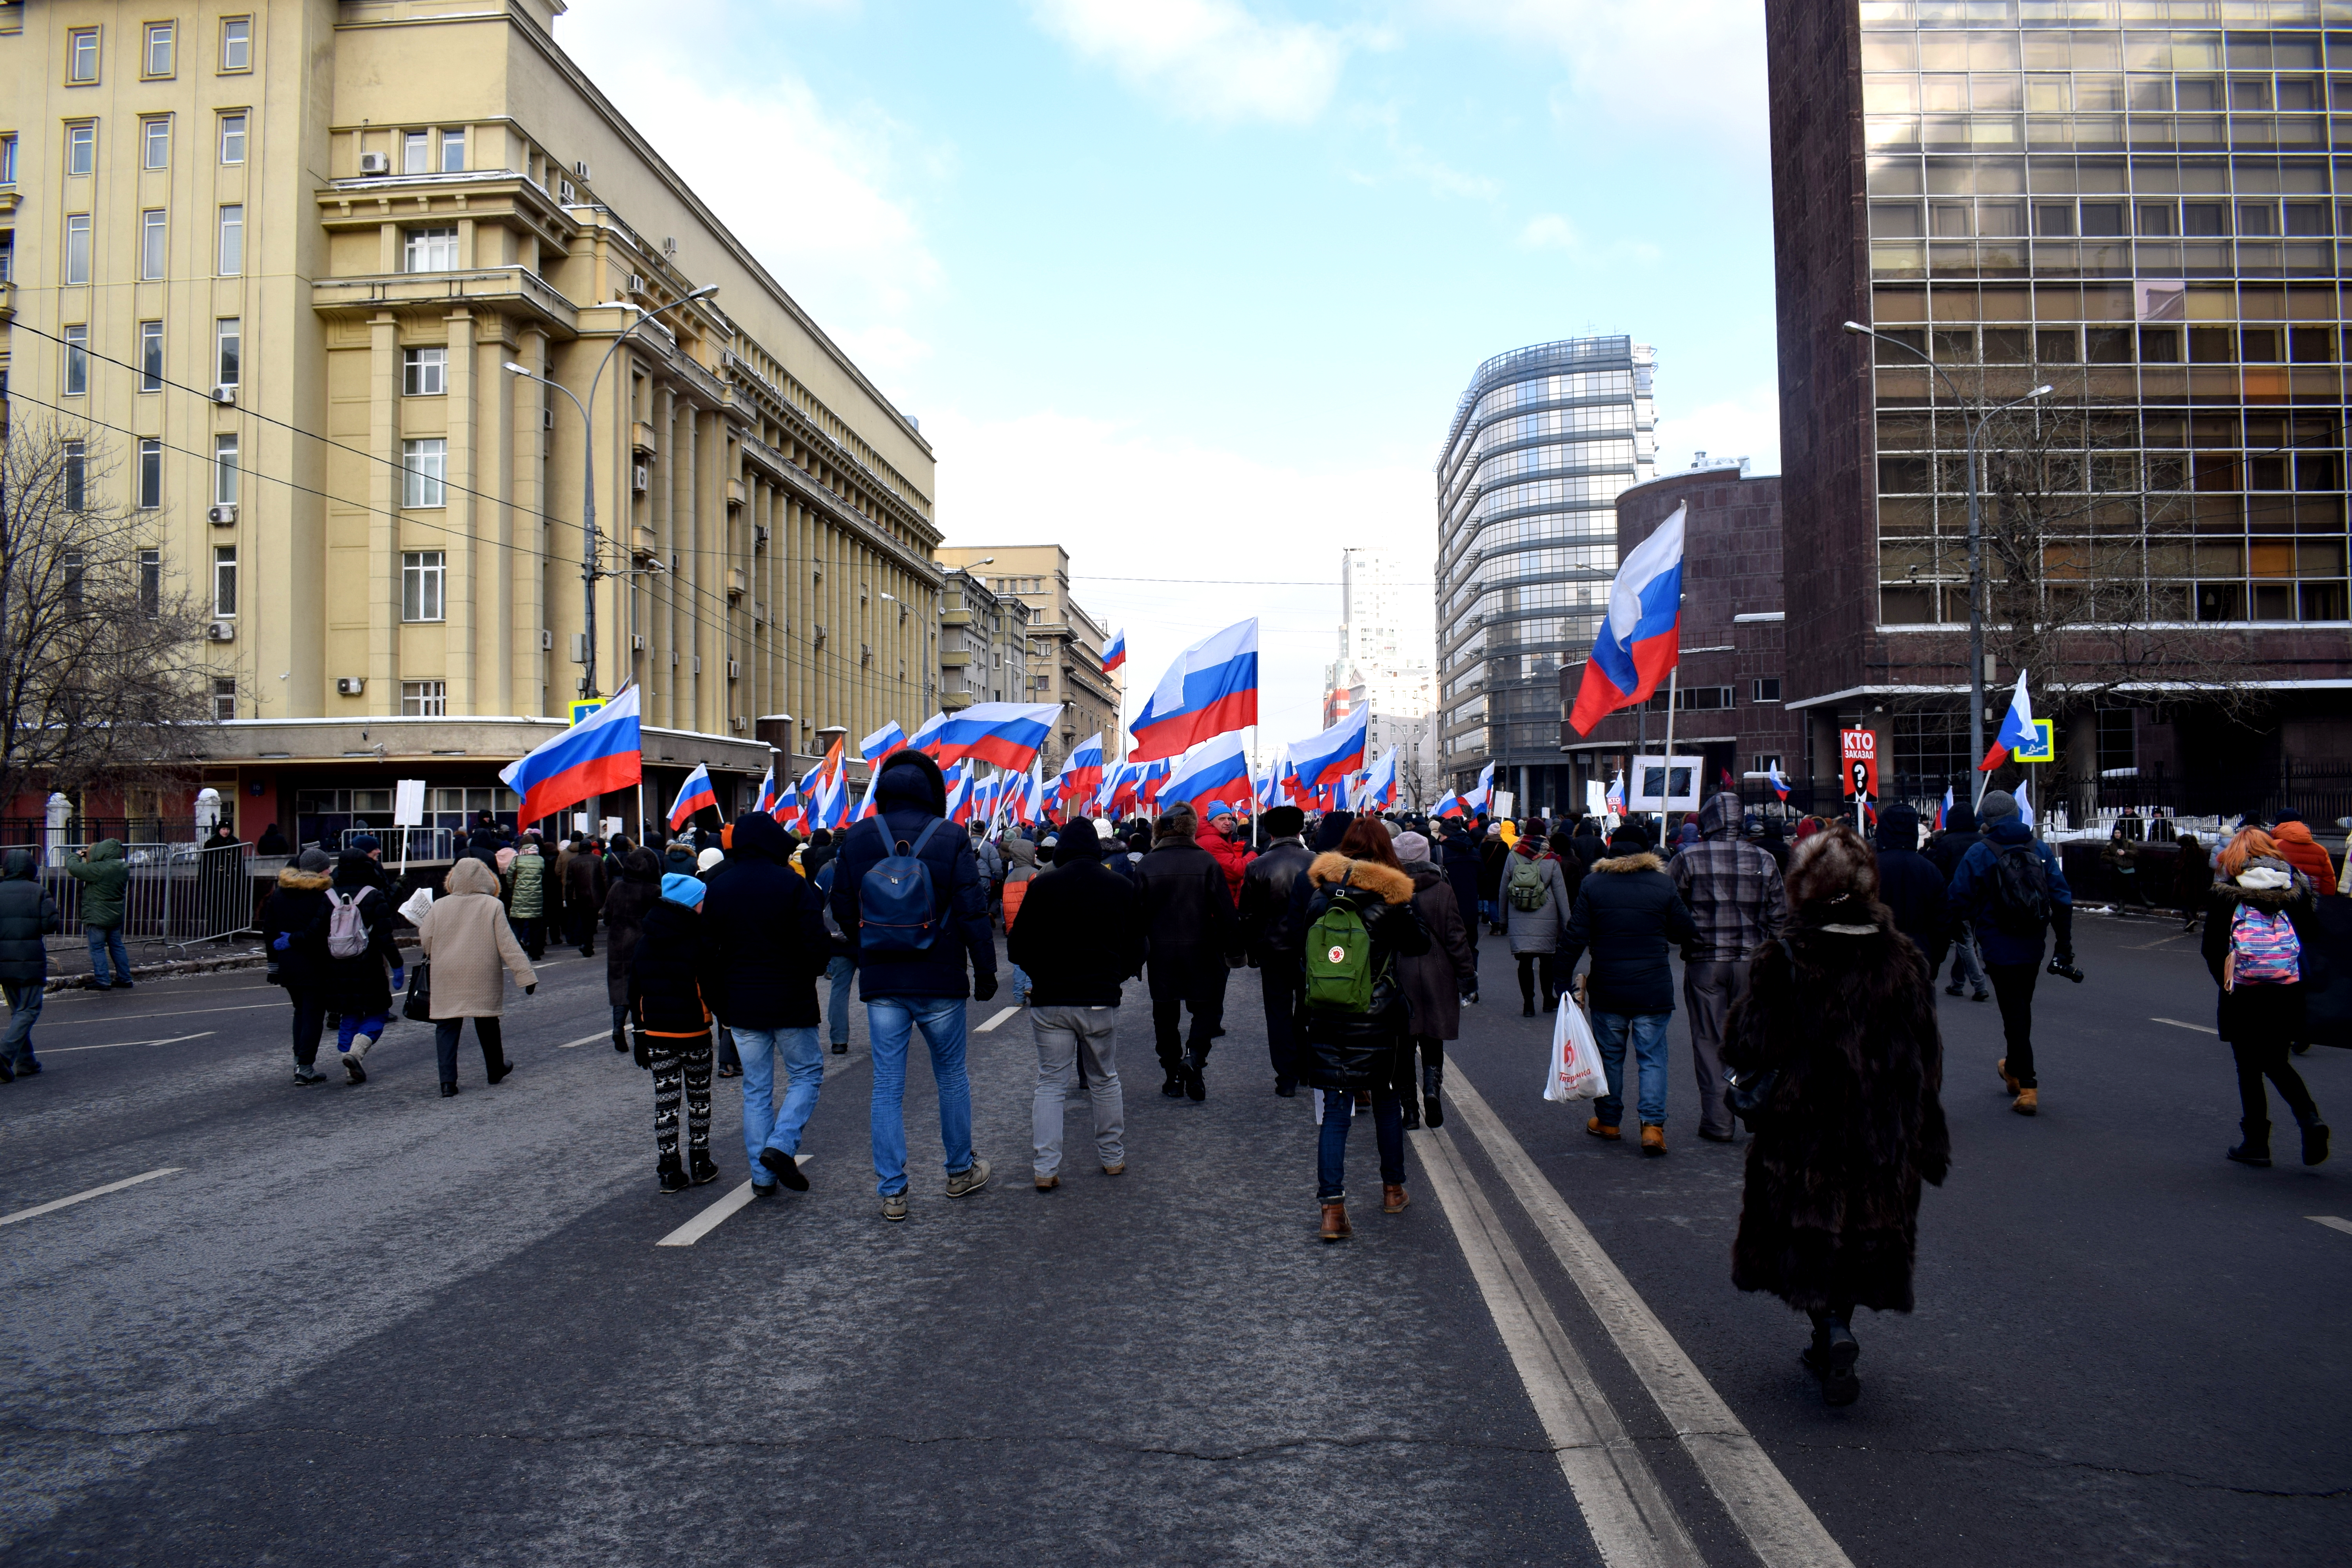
x=466 y=935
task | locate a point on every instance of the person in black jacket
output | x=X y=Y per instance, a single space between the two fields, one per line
x=1628 y=914
x=906 y=988
x=672 y=974
x=1079 y=937
x=1911 y=887
x=1945 y=851
x=1342 y=1053
x=293 y=923
x=27 y=913
x=765 y=930
x=360 y=988
x=1189 y=912
x=1587 y=843
x=1272 y=941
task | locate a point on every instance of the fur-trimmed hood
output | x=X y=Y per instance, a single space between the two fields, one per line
x=1331 y=867
x=1621 y=863
x=2289 y=888
x=297 y=881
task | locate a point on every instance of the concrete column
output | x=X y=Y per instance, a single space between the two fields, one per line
x=525 y=482
x=384 y=500
x=460 y=516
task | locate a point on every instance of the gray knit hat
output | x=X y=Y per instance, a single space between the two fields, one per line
x=1997 y=804
x=312 y=859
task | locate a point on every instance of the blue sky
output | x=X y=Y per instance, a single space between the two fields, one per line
x=1192 y=287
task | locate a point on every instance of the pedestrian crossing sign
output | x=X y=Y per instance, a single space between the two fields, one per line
x=2045 y=746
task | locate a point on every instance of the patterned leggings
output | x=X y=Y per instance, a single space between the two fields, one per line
x=677 y=1061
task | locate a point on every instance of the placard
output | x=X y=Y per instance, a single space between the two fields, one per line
x=1860 y=749
x=1659 y=783
x=408 y=803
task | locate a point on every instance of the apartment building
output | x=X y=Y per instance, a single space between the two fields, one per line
x=1066 y=643
x=286 y=259
x=984 y=644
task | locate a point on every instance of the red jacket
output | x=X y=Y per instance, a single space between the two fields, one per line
x=1231 y=854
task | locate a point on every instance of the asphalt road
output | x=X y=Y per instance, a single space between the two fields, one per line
x=361 y=1325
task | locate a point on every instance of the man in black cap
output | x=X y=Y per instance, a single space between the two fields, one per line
x=1273 y=943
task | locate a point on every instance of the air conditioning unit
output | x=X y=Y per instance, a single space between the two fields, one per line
x=698 y=664
x=635 y=284
x=221 y=631
x=734 y=669
x=641 y=477
x=581 y=168
x=737 y=723
x=759 y=536
x=579 y=648
x=547 y=418
x=546 y=640
x=223 y=515
x=374 y=164
x=225 y=394
x=350 y=685
x=564 y=194
x=637 y=644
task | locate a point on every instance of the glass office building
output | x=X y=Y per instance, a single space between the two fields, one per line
x=1542 y=442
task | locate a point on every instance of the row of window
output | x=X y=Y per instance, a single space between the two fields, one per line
x=1715 y=699
x=2099 y=92
x=2116 y=473
x=424 y=474
x=228 y=338
x=2104 y=49
x=2163 y=602
x=2069 y=219
x=228 y=252
x=154 y=144
x=2112 y=345
x=159 y=47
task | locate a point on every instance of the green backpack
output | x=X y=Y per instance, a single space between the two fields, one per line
x=1524 y=885
x=1339 y=959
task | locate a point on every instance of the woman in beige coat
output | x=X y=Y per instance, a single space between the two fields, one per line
x=466 y=937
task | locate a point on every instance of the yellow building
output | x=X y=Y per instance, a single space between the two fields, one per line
x=1065 y=644
x=280 y=255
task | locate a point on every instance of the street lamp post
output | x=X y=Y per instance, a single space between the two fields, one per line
x=1976 y=536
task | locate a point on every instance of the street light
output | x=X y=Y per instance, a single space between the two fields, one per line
x=1976 y=536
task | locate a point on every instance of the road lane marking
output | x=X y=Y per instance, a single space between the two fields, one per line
x=118 y=1045
x=1630 y=1519
x=182 y=1013
x=57 y=1203
x=2329 y=1220
x=1007 y=1013
x=585 y=1040
x=1780 y=1528
x=710 y=1218
x=2201 y=1028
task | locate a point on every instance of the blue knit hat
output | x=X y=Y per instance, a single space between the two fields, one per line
x=680 y=889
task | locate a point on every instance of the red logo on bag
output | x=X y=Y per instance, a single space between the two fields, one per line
x=1337 y=955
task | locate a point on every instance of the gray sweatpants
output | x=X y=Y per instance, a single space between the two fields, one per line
x=1709 y=989
x=1073 y=1041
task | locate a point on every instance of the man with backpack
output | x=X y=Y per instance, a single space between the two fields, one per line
x=2010 y=888
x=1272 y=941
x=906 y=894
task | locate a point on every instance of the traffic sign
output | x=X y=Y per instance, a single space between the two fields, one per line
x=2044 y=748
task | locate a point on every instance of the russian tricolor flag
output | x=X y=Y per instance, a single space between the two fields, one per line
x=1338 y=750
x=882 y=743
x=1210 y=689
x=1217 y=770
x=2017 y=731
x=927 y=739
x=1082 y=774
x=1641 y=636
x=1780 y=785
x=1379 y=791
x=1006 y=733
x=766 y=799
x=603 y=752
x=694 y=794
x=1483 y=797
x=1448 y=804
x=787 y=808
x=1115 y=654
x=1943 y=809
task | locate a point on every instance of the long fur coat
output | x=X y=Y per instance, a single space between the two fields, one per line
x=1842 y=1007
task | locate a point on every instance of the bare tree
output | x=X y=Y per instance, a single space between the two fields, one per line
x=1413 y=778
x=100 y=670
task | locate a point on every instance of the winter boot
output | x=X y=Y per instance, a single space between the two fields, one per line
x=2009 y=1085
x=704 y=1169
x=673 y=1177
x=1654 y=1138
x=1393 y=1197
x=1412 y=1110
x=1830 y=1359
x=2255 y=1147
x=2314 y=1143
x=1432 y=1077
x=1334 y=1221
x=1174 y=1088
x=353 y=1057
x=2028 y=1102
x=1600 y=1129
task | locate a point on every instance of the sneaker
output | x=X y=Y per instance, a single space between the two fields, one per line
x=963 y=1183
x=1954 y=989
x=787 y=1169
x=1982 y=997
x=1118 y=1170
x=122 y=985
x=894 y=1206
x=2249 y=1152
x=306 y=1075
x=1047 y=1183
x=841 y=1047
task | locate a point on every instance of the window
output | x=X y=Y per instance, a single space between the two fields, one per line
x=422 y=576
x=150 y=473
x=81 y=148
x=7 y=255
x=159 y=49
x=228 y=336
x=232 y=139
x=424 y=466
x=1768 y=688
x=7 y=160
x=155 y=142
x=431 y=250
x=224 y=697
x=2054 y=220
x=236 y=44
x=82 y=55
x=2118 y=740
x=1764 y=761
x=74 y=568
x=76 y=379
x=224 y=579
x=415 y=152
x=152 y=246
x=225 y=470
x=77 y=475
x=425 y=700
x=232 y=240
x=151 y=356
x=78 y=249
x=423 y=372
x=150 y=583
x=452 y=150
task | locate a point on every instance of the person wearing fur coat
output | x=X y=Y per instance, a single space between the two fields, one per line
x=1840 y=1013
x=2258 y=1022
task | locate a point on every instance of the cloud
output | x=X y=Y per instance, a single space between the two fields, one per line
x=1208 y=60
x=1747 y=426
x=1663 y=68
x=1550 y=231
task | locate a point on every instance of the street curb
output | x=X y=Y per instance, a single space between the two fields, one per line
x=253 y=958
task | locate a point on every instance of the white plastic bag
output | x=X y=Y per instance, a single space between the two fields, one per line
x=1576 y=1072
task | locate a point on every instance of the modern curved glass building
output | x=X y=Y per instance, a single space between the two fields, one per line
x=1542 y=443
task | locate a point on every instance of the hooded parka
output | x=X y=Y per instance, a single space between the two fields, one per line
x=1359 y=1050
x=27 y=913
x=103 y=875
x=467 y=936
x=637 y=891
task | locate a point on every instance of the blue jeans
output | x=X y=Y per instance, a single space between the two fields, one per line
x=841 y=970
x=101 y=943
x=890 y=1022
x=1331 y=1150
x=767 y=1125
x=1649 y=1032
x=25 y=998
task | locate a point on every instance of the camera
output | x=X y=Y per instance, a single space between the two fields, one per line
x=2060 y=966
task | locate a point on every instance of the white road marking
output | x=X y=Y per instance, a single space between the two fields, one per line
x=1007 y=1013
x=2329 y=1220
x=2159 y=941
x=83 y=1197
x=1630 y=1519
x=2176 y=1023
x=117 y=1044
x=182 y=1013
x=710 y=1218
x=585 y=1040
x=1780 y=1528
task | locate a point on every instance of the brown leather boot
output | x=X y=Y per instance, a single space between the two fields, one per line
x=2007 y=1083
x=1334 y=1222
x=1600 y=1129
x=1393 y=1197
x=1654 y=1138
x=2027 y=1102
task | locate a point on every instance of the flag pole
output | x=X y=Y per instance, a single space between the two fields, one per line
x=1667 y=774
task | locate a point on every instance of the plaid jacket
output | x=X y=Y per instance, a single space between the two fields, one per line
x=1735 y=891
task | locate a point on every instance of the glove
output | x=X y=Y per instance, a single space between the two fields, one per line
x=644 y=1052
x=399 y=978
x=285 y=939
x=983 y=987
x=531 y=989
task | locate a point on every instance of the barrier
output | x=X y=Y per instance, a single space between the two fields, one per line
x=177 y=895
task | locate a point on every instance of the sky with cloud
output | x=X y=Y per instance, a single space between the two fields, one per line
x=1192 y=287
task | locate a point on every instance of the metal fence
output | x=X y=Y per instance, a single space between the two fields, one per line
x=176 y=895
x=2322 y=791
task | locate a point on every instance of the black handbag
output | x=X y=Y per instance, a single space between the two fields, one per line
x=418 y=1009
x=1750 y=1098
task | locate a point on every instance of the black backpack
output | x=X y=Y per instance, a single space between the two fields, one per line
x=2021 y=891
